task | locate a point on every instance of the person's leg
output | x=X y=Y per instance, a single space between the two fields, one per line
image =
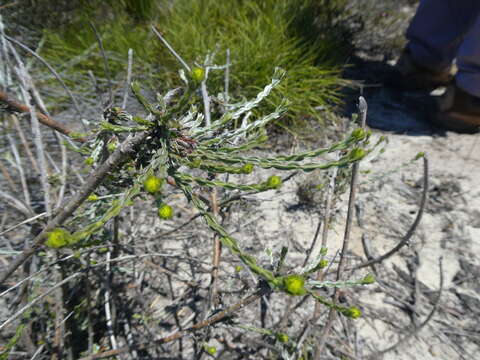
x=459 y=108
x=438 y=29
x=468 y=61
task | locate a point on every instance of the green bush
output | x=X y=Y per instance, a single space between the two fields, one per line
x=259 y=35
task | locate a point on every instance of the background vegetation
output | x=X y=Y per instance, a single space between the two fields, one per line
x=301 y=36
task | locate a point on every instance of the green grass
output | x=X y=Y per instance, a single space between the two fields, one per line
x=261 y=35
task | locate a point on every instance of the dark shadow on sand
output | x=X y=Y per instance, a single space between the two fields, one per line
x=389 y=109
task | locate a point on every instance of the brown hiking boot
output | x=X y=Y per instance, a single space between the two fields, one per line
x=458 y=111
x=409 y=75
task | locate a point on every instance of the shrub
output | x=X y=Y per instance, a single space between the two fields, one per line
x=181 y=143
x=259 y=35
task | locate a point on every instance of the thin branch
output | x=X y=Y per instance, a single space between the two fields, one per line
x=37 y=299
x=8 y=5
x=63 y=176
x=8 y=177
x=217 y=251
x=417 y=329
x=179 y=334
x=170 y=48
x=124 y=258
x=23 y=223
x=52 y=70
x=129 y=78
x=362 y=109
x=410 y=231
x=21 y=172
x=17 y=204
x=108 y=313
x=120 y=154
x=27 y=85
x=314 y=242
x=15 y=106
x=105 y=62
x=227 y=77
x=25 y=144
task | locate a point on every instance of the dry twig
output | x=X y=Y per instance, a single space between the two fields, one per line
x=15 y=106
x=120 y=154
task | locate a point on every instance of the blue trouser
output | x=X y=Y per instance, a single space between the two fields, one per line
x=444 y=30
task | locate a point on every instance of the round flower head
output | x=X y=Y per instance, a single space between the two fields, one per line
x=111 y=146
x=368 y=279
x=294 y=284
x=283 y=338
x=359 y=134
x=357 y=154
x=274 y=182
x=323 y=264
x=352 y=312
x=211 y=350
x=92 y=197
x=198 y=74
x=165 y=212
x=247 y=168
x=89 y=161
x=58 y=238
x=152 y=184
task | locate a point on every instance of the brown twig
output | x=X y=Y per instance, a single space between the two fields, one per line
x=179 y=334
x=21 y=171
x=8 y=5
x=313 y=243
x=417 y=329
x=25 y=143
x=122 y=152
x=15 y=106
x=217 y=250
x=410 y=231
x=105 y=62
x=8 y=177
x=50 y=68
x=362 y=109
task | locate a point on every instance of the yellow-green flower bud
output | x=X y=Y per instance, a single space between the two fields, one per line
x=195 y=163
x=323 y=264
x=283 y=338
x=92 y=197
x=357 y=154
x=152 y=184
x=238 y=268
x=419 y=155
x=211 y=350
x=89 y=161
x=294 y=284
x=274 y=182
x=198 y=74
x=368 y=279
x=247 y=168
x=58 y=238
x=111 y=146
x=358 y=134
x=352 y=312
x=165 y=212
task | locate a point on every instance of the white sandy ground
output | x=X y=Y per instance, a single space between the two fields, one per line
x=450 y=229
